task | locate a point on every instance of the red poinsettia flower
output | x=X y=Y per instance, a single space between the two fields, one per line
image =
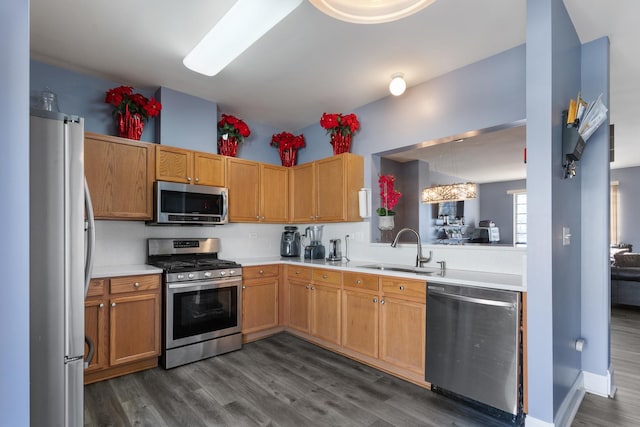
x=123 y=98
x=337 y=123
x=286 y=140
x=389 y=197
x=233 y=127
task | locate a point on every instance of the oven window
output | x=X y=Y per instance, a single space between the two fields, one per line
x=191 y=203
x=199 y=312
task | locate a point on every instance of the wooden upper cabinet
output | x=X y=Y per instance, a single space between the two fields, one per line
x=189 y=167
x=327 y=190
x=119 y=174
x=258 y=192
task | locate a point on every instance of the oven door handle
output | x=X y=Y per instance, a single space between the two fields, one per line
x=211 y=284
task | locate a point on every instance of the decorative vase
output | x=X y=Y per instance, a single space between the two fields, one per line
x=228 y=145
x=386 y=222
x=288 y=156
x=130 y=125
x=341 y=143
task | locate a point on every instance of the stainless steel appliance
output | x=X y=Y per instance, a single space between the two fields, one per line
x=486 y=235
x=290 y=242
x=315 y=249
x=60 y=268
x=335 y=253
x=185 y=204
x=473 y=345
x=202 y=300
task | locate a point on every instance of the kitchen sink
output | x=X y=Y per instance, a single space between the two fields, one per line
x=403 y=268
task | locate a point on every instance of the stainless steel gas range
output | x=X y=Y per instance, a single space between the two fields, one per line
x=202 y=300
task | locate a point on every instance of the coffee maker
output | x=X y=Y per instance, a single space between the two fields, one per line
x=314 y=250
x=290 y=242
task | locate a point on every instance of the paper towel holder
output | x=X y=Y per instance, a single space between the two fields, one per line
x=364 y=202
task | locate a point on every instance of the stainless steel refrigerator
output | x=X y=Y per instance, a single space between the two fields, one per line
x=60 y=265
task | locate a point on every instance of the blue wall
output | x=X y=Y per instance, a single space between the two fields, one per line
x=497 y=205
x=629 y=205
x=14 y=224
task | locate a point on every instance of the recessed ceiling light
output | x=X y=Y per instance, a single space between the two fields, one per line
x=368 y=11
x=397 y=85
x=239 y=28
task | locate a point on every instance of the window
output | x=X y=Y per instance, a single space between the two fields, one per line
x=520 y=218
x=613 y=221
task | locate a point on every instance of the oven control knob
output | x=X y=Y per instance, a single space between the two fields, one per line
x=223 y=273
x=191 y=275
x=207 y=274
x=232 y=272
x=180 y=276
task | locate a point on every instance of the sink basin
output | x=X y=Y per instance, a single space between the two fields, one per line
x=403 y=268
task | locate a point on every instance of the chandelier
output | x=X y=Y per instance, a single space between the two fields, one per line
x=449 y=192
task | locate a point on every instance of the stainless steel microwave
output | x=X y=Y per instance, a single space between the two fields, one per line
x=185 y=204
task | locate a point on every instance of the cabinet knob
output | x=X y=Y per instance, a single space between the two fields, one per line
x=382 y=302
x=313 y=289
x=308 y=286
x=136 y=285
x=375 y=300
x=297 y=272
x=258 y=217
x=261 y=272
x=113 y=304
x=324 y=276
x=197 y=179
x=401 y=287
x=358 y=281
x=101 y=305
x=189 y=178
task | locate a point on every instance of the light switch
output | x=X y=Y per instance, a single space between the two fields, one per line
x=566 y=236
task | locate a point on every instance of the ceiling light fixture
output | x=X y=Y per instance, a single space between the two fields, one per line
x=370 y=12
x=239 y=28
x=397 y=85
x=449 y=192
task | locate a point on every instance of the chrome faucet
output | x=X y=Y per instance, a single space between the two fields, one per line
x=419 y=259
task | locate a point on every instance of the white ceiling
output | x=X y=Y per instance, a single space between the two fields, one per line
x=311 y=63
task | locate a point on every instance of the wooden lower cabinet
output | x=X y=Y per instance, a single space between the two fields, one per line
x=325 y=313
x=299 y=304
x=403 y=333
x=122 y=318
x=259 y=298
x=360 y=317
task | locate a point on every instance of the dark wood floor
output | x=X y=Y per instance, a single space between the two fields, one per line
x=284 y=381
x=624 y=409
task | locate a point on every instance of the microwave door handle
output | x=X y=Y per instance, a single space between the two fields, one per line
x=224 y=205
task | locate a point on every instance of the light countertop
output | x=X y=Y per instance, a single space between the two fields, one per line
x=511 y=282
x=123 y=270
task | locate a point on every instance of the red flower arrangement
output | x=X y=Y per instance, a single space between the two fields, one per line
x=389 y=197
x=337 y=123
x=341 y=128
x=288 y=146
x=123 y=99
x=233 y=127
x=286 y=140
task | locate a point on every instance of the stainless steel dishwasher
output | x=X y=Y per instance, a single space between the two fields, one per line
x=473 y=346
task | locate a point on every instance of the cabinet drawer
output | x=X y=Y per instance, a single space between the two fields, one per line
x=96 y=287
x=360 y=281
x=331 y=277
x=259 y=271
x=298 y=273
x=135 y=283
x=404 y=288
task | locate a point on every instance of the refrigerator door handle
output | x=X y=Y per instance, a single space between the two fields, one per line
x=91 y=238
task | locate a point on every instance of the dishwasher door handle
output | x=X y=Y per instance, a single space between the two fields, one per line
x=473 y=300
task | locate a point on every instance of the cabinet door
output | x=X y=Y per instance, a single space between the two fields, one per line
x=360 y=322
x=209 y=169
x=325 y=313
x=259 y=305
x=330 y=189
x=402 y=333
x=174 y=164
x=95 y=328
x=299 y=305
x=274 y=193
x=134 y=322
x=119 y=174
x=243 y=181
x=303 y=193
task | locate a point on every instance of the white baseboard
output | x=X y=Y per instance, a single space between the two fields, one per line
x=568 y=409
x=601 y=385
